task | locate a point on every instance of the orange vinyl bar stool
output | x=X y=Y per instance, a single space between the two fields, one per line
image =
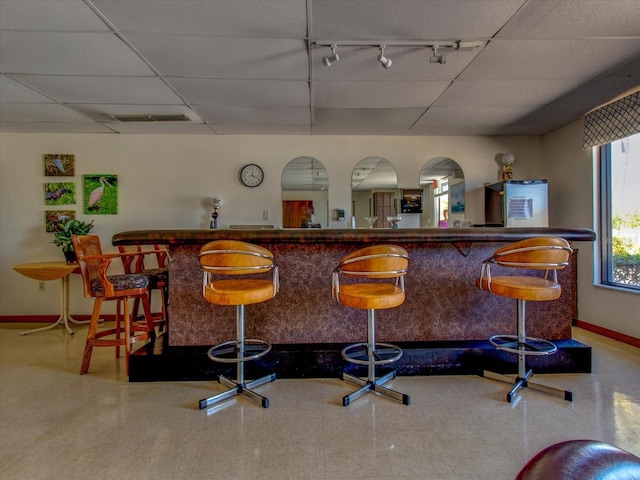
x=158 y=277
x=97 y=284
x=234 y=274
x=377 y=282
x=548 y=254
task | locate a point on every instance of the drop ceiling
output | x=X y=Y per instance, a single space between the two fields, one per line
x=255 y=67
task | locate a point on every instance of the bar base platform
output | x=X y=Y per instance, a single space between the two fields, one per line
x=159 y=362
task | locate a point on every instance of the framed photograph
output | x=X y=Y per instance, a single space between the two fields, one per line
x=54 y=218
x=100 y=193
x=59 y=165
x=457 y=198
x=60 y=193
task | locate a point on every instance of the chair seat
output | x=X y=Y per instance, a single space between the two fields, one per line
x=157 y=276
x=238 y=292
x=121 y=282
x=523 y=288
x=371 y=295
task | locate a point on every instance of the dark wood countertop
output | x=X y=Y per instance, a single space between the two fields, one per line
x=330 y=235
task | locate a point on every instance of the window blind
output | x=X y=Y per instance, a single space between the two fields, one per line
x=611 y=122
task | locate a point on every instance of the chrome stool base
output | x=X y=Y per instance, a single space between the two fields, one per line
x=372 y=354
x=369 y=385
x=244 y=389
x=523 y=346
x=523 y=382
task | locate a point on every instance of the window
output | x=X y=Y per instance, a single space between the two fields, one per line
x=620 y=212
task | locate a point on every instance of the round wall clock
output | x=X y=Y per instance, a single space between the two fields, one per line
x=251 y=175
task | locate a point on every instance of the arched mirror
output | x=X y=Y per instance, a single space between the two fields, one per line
x=442 y=182
x=305 y=194
x=374 y=186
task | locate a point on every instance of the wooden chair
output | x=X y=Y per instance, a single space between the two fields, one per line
x=244 y=262
x=97 y=284
x=134 y=263
x=373 y=267
x=548 y=254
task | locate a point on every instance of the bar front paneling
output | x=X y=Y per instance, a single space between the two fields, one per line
x=442 y=302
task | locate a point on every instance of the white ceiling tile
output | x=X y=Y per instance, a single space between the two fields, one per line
x=487 y=93
x=471 y=116
x=12 y=91
x=236 y=18
x=44 y=112
x=398 y=117
x=59 y=15
x=81 y=89
x=243 y=93
x=262 y=129
x=55 y=53
x=362 y=94
x=254 y=116
x=575 y=18
x=224 y=57
x=410 y=19
x=550 y=59
x=53 y=127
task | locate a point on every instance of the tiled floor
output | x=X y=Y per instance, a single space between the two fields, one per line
x=56 y=424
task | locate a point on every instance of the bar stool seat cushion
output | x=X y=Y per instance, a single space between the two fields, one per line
x=371 y=295
x=239 y=292
x=524 y=288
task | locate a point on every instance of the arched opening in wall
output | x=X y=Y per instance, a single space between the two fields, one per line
x=442 y=182
x=305 y=194
x=374 y=193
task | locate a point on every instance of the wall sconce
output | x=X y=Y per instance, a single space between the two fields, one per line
x=508 y=159
x=217 y=204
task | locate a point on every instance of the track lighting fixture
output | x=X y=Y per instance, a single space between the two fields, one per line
x=439 y=48
x=334 y=57
x=386 y=62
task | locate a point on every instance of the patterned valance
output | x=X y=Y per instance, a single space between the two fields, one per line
x=619 y=119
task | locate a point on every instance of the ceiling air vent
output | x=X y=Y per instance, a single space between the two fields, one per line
x=151 y=118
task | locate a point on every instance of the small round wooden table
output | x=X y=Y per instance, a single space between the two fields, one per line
x=52 y=271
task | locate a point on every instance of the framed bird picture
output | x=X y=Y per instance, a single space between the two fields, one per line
x=59 y=165
x=63 y=193
x=100 y=194
x=55 y=219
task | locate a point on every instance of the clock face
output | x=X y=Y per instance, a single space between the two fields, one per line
x=251 y=175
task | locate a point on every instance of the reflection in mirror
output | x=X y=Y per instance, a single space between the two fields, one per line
x=305 y=194
x=374 y=185
x=442 y=181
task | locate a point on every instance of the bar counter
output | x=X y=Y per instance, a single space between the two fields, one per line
x=442 y=303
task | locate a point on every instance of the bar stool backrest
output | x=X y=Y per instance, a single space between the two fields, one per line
x=541 y=253
x=377 y=261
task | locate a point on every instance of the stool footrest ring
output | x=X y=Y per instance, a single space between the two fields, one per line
x=382 y=354
x=530 y=345
x=229 y=352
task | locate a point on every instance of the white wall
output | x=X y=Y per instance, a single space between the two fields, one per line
x=167 y=181
x=570 y=171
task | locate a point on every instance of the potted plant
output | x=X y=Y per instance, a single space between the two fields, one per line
x=62 y=236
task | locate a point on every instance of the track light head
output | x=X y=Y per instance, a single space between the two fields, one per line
x=384 y=61
x=439 y=55
x=329 y=59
